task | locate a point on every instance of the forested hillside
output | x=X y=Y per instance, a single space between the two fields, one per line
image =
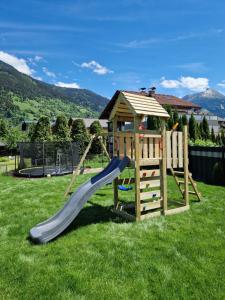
x=22 y=97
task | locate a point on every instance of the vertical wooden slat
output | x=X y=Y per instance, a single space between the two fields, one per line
x=151 y=148
x=115 y=185
x=128 y=146
x=163 y=166
x=185 y=143
x=174 y=149
x=140 y=146
x=180 y=149
x=137 y=169
x=145 y=148
x=121 y=146
x=168 y=147
x=156 y=148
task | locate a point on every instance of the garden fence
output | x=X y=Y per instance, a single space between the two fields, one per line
x=207 y=164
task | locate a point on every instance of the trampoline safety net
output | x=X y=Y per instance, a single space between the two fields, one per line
x=47 y=158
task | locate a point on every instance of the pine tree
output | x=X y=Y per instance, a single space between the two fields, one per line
x=61 y=131
x=222 y=138
x=205 y=127
x=153 y=123
x=175 y=117
x=70 y=122
x=184 y=120
x=170 y=121
x=96 y=128
x=219 y=140
x=79 y=134
x=198 y=131
x=180 y=126
x=42 y=131
x=201 y=131
x=213 y=137
x=192 y=128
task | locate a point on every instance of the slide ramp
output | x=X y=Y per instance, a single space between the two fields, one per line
x=51 y=228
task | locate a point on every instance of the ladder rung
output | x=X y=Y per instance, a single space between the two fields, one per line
x=182 y=182
x=192 y=192
x=178 y=172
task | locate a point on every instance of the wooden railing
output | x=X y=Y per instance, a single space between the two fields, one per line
x=151 y=147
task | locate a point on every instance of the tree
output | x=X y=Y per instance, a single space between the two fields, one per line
x=205 y=128
x=222 y=137
x=61 y=131
x=3 y=128
x=42 y=131
x=184 y=120
x=79 y=134
x=70 y=122
x=198 y=131
x=153 y=123
x=175 y=117
x=213 y=137
x=192 y=128
x=170 y=121
x=96 y=128
x=13 y=136
x=180 y=126
x=219 y=140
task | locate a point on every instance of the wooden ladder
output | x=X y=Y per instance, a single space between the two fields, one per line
x=180 y=183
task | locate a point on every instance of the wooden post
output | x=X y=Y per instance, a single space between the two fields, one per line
x=185 y=143
x=137 y=121
x=115 y=184
x=68 y=190
x=163 y=168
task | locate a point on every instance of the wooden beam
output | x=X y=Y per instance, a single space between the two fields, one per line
x=115 y=183
x=185 y=147
x=150 y=195
x=150 y=215
x=177 y=210
x=147 y=184
x=151 y=205
x=137 y=121
x=149 y=173
x=163 y=168
x=73 y=179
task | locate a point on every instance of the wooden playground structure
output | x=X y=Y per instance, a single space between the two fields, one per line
x=152 y=154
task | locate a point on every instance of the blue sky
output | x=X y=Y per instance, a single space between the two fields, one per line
x=177 y=46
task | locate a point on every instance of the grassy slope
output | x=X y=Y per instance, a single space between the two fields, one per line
x=102 y=257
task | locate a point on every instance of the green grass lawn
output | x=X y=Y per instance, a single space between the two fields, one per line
x=103 y=257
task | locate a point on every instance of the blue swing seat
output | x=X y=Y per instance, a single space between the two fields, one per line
x=124 y=188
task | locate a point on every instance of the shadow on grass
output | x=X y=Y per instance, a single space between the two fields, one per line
x=92 y=215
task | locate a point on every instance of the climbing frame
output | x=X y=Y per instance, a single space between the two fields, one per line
x=151 y=154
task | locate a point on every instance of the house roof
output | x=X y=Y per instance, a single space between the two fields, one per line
x=161 y=99
x=128 y=105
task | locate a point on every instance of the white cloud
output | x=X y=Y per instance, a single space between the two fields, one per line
x=48 y=73
x=96 y=67
x=194 y=84
x=72 y=85
x=37 y=58
x=18 y=63
x=222 y=84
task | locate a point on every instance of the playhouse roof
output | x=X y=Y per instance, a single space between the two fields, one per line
x=128 y=105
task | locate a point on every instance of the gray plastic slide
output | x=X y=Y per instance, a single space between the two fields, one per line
x=50 y=229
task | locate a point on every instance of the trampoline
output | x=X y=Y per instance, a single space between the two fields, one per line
x=47 y=159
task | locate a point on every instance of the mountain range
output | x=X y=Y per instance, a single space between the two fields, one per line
x=25 y=98
x=211 y=100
